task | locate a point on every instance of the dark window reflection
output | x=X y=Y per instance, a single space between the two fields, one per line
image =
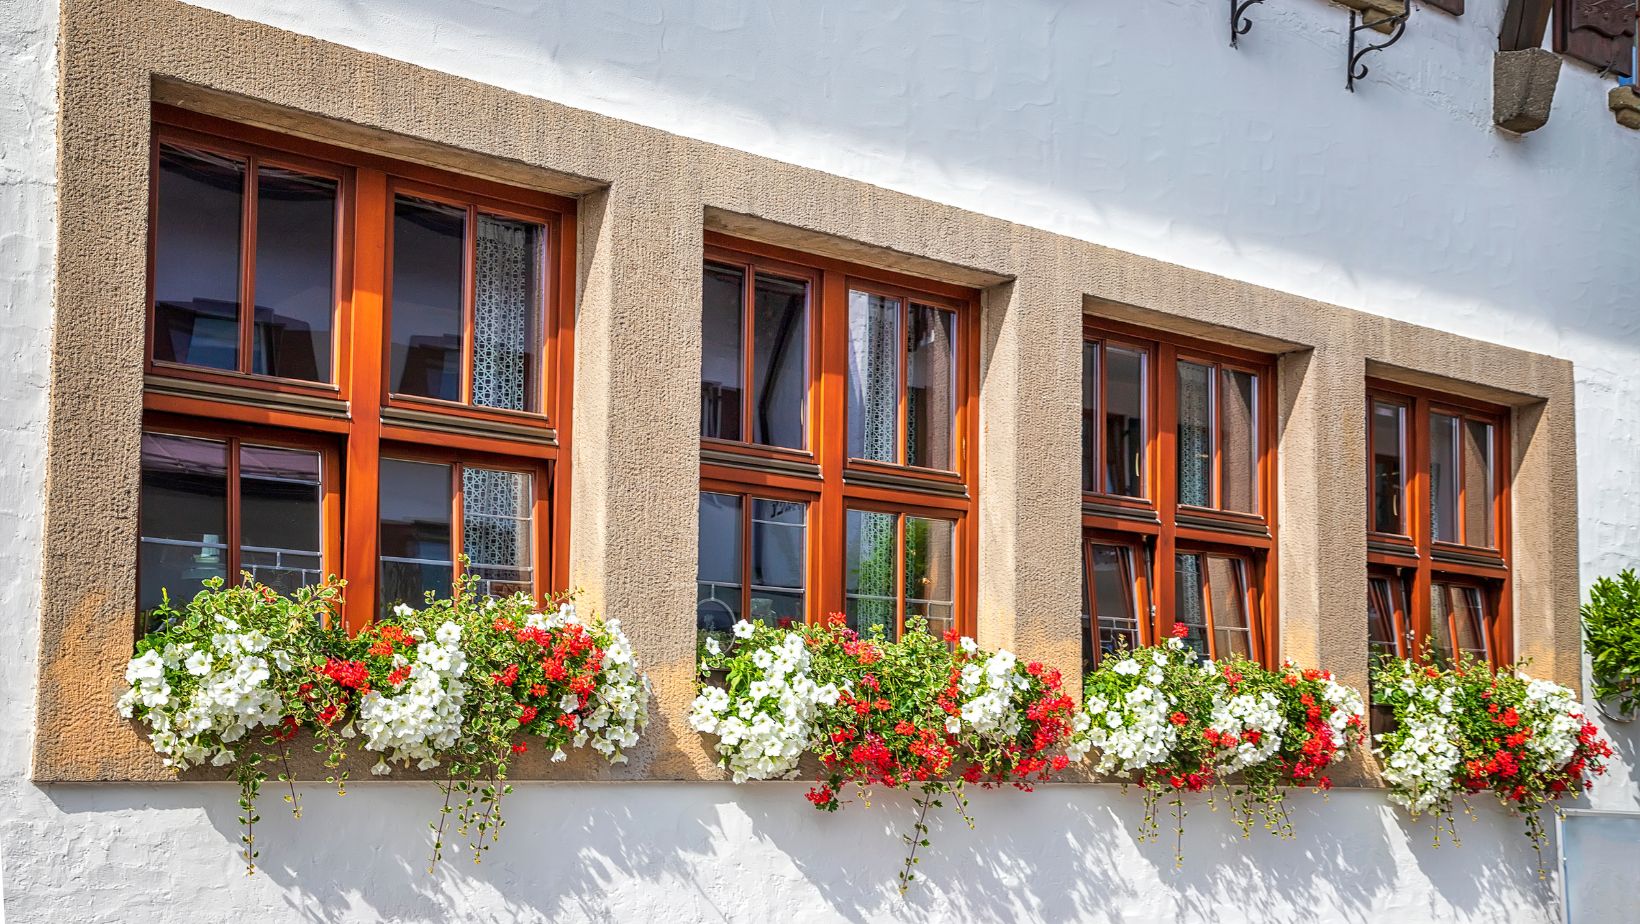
x=721 y=352
x=1125 y=422
x=279 y=504
x=426 y=315
x=930 y=388
x=718 y=563
x=778 y=549
x=196 y=259
x=1388 y=423
x=416 y=558
x=295 y=274
x=779 y=361
x=1090 y=416
x=184 y=518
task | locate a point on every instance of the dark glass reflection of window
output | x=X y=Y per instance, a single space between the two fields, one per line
x=1238 y=432
x=184 y=518
x=1388 y=422
x=721 y=354
x=930 y=381
x=295 y=275
x=1125 y=422
x=1111 y=569
x=196 y=259
x=1386 y=604
x=1477 y=484
x=779 y=547
x=415 y=532
x=779 y=361
x=279 y=504
x=930 y=572
x=718 y=563
x=1090 y=416
x=1443 y=477
x=429 y=242
x=1227 y=587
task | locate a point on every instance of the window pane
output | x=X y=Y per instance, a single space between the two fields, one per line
x=295 y=274
x=415 y=532
x=1388 y=425
x=1440 y=620
x=930 y=381
x=196 y=258
x=1443 y=476
x=1190 y=610
x=506 y=313
x=780 y=361
x=1477 y=483
x=1227 y=580
x=1112 y=568
x=1090 y=646
x=873 y=377
x=1125 y=422
x=871 y=562
x=1383 y=601
x=429 y=242
x=1195 y=435
x=497 y=530
x=779 y=548
x=1470 y=621
x=720 y=352
x=930 y=572
x=717 y=563
x=184 y=517
x=279 y=516
x=1240 y=434
x=1090 y=416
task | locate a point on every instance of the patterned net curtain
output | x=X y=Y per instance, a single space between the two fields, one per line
x=495 y=529
x=874 y=370
x=503 y=322
x=1195 y=435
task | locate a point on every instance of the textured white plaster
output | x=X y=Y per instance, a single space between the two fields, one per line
x=1131 y=124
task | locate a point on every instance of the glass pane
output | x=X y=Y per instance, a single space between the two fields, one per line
x=1195 y=435
x=196 y=258
x=717 y=563
x=1440 y=620
x=1477 y=483
x=429 y=242
x=1125 y=421
x=720 y=352
x=873 y=377
x=279 y=516
x=780 y=361
x=1381 y=608
x=415 y=532
x=295 y=275
x=1240 y=434
x=1090 y=416
x=931 y=389
x=1470 y=621
x=1388 y=425
x=497 y=530
x=872 y=555
x=778 y=556
x=1443 y=476
x=184 y=518
x=930 y=572
x=1089 y=645
x=1112 y=568
x=1227 y=581
x=1190 y=610
x=507 y=313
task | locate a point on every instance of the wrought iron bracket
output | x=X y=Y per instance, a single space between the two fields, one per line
x=1240 y=25
x=1358 y=24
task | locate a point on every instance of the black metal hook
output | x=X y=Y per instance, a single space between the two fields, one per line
x=1358 y=23
x=1239 y=25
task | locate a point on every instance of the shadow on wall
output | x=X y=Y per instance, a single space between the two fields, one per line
x=709 y=852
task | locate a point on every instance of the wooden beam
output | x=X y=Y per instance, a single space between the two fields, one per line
x=1525 y=22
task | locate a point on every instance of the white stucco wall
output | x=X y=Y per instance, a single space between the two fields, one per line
x=1130 y=124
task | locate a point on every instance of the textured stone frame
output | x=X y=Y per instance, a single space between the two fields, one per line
x=646 y=197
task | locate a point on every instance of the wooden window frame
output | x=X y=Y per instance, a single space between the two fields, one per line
x=1138 y=578
x=1158 y=522
x=823 y=475
x=1417 y=556
x=357 y=411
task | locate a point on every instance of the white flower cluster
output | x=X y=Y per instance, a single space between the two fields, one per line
x=423 y=715
x=1555 y=717
x=1421 y=765
x=619 y=704
x=763 y=731
x=989 y=690
x=1346 y=703
x=198 y=700
x=1131 y=731
x=1237 y=715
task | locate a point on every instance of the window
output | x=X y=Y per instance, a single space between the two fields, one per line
x=1437 y=535
x=337 y=339
x=837 y=412
x=1178 y=456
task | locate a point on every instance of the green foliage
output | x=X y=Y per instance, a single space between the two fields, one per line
x=1611 y=627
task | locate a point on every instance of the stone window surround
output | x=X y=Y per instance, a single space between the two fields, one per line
x=646 y=196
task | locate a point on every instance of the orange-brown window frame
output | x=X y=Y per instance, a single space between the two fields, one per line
x=357 y=411
x=822 y=475
x=1157 y=521
x=1415 y=556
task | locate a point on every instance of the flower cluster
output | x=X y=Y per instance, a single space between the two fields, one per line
x=416 y=712
x=1464 y=729
x=764 y=718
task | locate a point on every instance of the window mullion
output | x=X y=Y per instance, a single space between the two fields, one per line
x=362 y=501
x=234 y=507
x=247 y=264
x=1164 y=450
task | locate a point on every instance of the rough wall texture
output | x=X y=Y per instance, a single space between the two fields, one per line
x=1046 y=114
